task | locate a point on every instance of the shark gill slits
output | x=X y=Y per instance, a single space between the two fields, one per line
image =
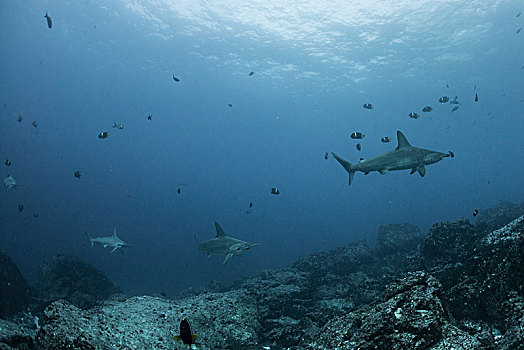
x=475 y=212
x=359 y=147
x=357 y=135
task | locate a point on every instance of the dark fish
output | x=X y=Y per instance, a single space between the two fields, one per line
x=368 y=106
x=454 y=108
x=251 y=73
x=49 y=21
x=359 y=147
x=229 y=105
x=427 y=109
x=447 y=86
x=357 y=135
x=475 y=212
x=414 y=115
x=103 y=135
x=455 y=101
x=519 y=30
x=20 y=207
x=361 y=159
x=77 y=174
x=385 y=139
x=175 y=78
x=443 y=99
x=19 y=118
x=178 y=190
x=274 y=191
x=35 y=215
x=476 y=98
x=34 y=124
x=149 y=117
x=518 y=14
x=250 y=204
x=185 y=333
x=7 y=162
x=326 y=156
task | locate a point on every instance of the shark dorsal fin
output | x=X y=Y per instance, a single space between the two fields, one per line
x=402 y=140
x=220 y=232
x=114 y=231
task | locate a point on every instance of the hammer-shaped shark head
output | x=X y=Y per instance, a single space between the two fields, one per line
x=238 y=249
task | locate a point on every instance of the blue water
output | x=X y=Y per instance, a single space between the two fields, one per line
x=314 y=66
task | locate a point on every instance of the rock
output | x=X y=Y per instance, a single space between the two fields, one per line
x=14 y=289
x=500 y=215
x=221 y=320
x=398 y=239
x=69 y=278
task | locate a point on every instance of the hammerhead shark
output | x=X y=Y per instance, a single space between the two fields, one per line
x=224 y=245
x=109 y=241
x=403 y=157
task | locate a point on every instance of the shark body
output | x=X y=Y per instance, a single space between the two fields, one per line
x=10 y=182
x=403 y=157
x=109 y=241
x=224 y=245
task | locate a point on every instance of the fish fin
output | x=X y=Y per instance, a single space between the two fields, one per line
x=220 y=231
x=90 y=238
x=367 y=172
x=421 y=170
x=402 y=141
x=383 y=172
x=346 y=165
x=227 y=259
x=196 y=239
x=413 y=171
x=114 y=231
x=115 y=248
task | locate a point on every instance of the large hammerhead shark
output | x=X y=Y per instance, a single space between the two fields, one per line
x=403 y=157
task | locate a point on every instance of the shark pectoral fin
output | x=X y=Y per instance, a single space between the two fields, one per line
x=413 y=171
x=115 y=248
x=382 y=172
x=351 y=173
x=227 y=258
x=367 y=172
x=421 y=170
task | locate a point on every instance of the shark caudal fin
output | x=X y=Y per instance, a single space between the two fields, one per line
x=346 y=165
x=90 y=238
x=402 y=140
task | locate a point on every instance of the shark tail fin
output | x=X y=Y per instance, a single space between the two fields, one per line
x=196 y=239
x=347 y=165
x=90 y=238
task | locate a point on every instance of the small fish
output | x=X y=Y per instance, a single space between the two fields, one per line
x=229 y=105
x=250 y=205
x=414 y=115
x=185 y=333
x=385 y=139
x=427 y=109
x=251 y=73
x=454 y=109
x=518 y=14
x=519 y=30
x=443 y=99
x=359 y=147
x=475 y=212
x=78 y=174
x=357 y=135
x=361 y=159
x=326 y=156
x=20 y=207
x=49 y=21
x=368 y=106
x=103 y=135
x=19 y=118
x=175 y=78
x=149 y=117
x=178 y=190
x=274 y=191
x=7 y=162
x=476 y=97
x=118 y=126
x=455 y=101
x=447 y=86
x=34 y=124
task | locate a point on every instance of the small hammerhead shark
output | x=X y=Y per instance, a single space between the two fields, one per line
x=403 y=157
x=224 y=245
x=109 y=241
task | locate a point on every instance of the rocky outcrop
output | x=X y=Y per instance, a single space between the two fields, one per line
x=69 y=278
x=14 y=289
